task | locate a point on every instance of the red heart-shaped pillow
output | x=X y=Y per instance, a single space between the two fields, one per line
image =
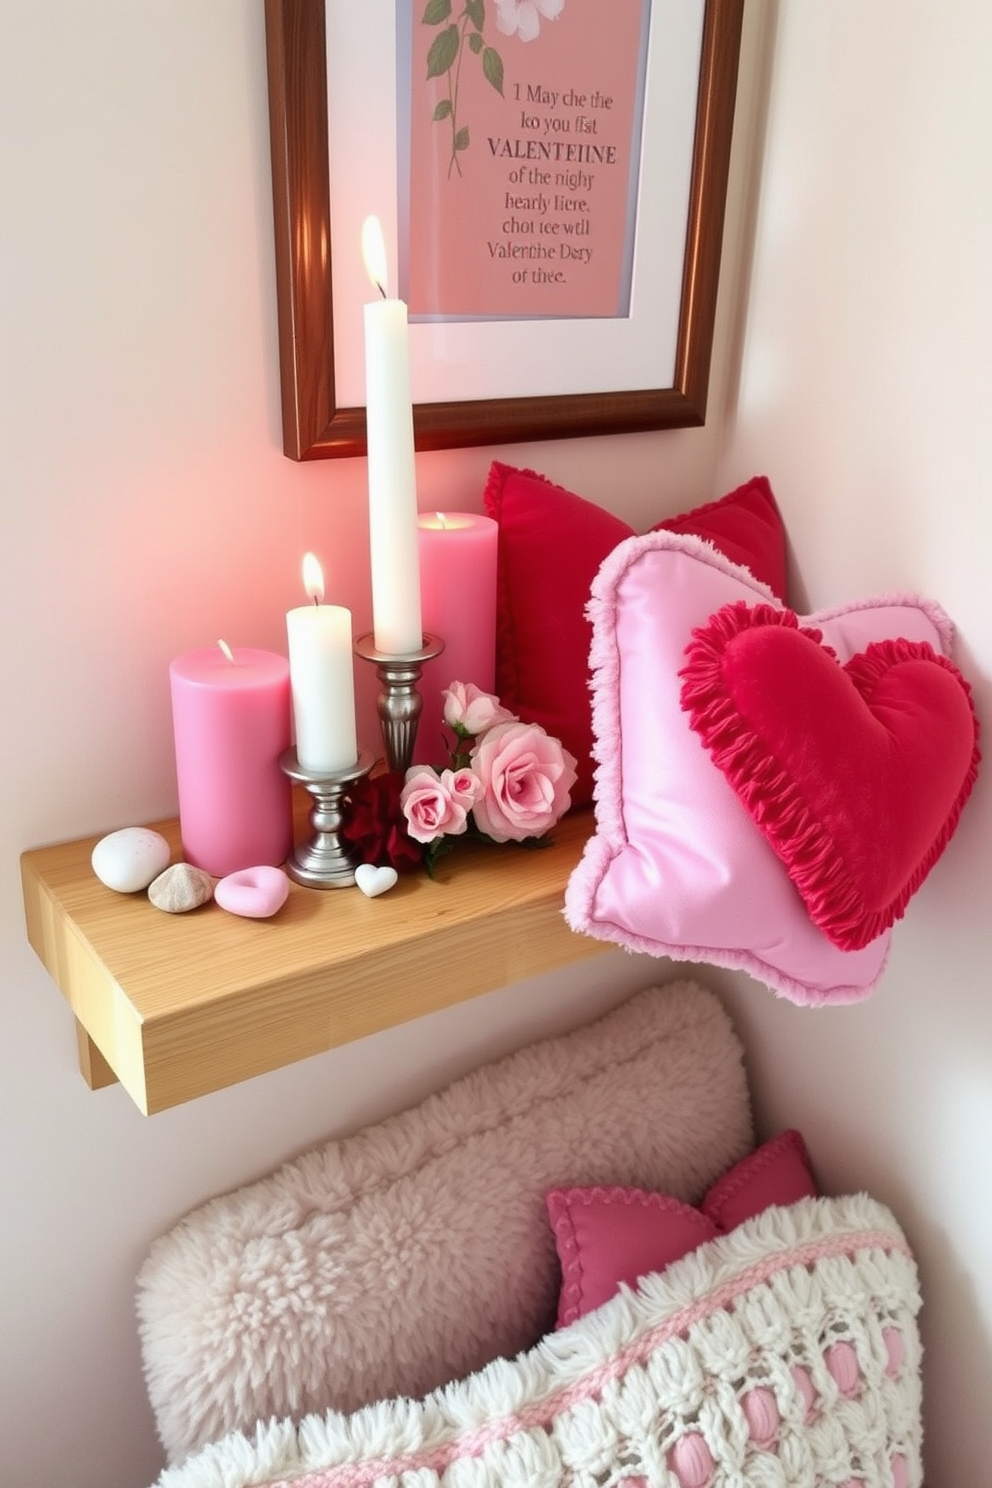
x=856 y=775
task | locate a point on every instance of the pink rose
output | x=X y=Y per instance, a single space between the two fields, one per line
x=468 y=710
x=526 y=778
x=437 y=805
x=463 y=785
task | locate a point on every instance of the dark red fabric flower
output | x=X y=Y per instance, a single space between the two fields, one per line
x=374 y=823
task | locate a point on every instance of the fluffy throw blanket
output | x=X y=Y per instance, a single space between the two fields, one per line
x=785 y=1352
x=413 y=1253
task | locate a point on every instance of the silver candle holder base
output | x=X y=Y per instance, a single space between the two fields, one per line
x=325 y=862
x=399 y=703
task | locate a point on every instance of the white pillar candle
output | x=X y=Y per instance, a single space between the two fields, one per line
x=322 y=679
x=393 y=550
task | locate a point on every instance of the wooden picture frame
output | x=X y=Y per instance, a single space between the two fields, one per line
x=314 y=426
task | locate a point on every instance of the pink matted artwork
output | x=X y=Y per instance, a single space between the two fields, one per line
x=523 y=141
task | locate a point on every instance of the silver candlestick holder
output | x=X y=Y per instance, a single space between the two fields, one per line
x=325 y=862
x=399 y=703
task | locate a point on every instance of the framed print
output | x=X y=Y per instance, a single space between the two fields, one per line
x=551 y=179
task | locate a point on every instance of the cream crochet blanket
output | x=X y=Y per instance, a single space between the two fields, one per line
x=783 y=1355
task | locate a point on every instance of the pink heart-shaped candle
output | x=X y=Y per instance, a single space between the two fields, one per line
x=254 y=893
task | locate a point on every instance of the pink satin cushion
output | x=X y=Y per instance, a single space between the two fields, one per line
x=676 y=867
x=608 y=1237
x=551 y=544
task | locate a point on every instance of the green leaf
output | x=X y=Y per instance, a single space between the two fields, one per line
x=443 y=51
x=476 y=12
x=461 y=139
x=436 y=12
x=492 y=68
x=443 y=109
x=475 y=43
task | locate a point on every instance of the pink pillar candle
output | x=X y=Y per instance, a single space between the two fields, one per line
x=458 y=597
x=231 y=719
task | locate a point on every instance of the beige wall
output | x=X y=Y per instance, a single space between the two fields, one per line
x=146 y=506
x=865 y=393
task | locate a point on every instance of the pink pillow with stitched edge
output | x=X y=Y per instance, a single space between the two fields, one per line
x=551 y=545
x=777 y=1172
x=676 y=866
x=609 y=1236
x=606 y=1237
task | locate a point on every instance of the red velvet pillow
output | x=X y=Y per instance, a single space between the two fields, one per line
x=606 y=1237
x=856 y=774
x=551 y=545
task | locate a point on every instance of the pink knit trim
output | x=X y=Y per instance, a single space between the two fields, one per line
x=899 y=599
x=541 y=1415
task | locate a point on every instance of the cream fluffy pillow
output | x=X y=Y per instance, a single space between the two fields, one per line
x=393 y=1261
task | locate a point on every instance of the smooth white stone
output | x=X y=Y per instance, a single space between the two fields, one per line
x=128 y=860
x=180 y=888
x=373 y=881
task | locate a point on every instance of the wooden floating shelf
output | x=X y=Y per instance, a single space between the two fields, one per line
x=176 y=1006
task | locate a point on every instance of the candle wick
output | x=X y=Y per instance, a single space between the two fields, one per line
x=381 y=290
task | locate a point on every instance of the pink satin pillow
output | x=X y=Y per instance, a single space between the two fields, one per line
x=551 y=544
x=608 y=1237
x=676 y=866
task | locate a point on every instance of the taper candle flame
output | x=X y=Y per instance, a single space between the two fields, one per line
x=374 y=254
x=313 y=578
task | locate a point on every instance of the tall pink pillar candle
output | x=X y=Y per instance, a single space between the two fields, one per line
x=458 y=597
x=231 y=719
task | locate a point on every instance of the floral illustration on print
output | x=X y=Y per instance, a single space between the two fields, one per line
x=466 y=34
x=523 y=17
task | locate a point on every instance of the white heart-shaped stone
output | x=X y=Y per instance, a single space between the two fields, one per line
x=372 y=880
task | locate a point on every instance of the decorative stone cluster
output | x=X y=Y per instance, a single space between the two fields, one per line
x=137 y=858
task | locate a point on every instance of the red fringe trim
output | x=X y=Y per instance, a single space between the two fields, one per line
x=772 y=798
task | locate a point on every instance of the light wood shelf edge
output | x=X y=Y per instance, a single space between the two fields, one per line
x=176 y=1006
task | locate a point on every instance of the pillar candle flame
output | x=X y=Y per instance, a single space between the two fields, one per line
x=313 y=578
x=374 y=254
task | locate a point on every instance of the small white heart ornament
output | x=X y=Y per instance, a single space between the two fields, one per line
x=373 y=881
